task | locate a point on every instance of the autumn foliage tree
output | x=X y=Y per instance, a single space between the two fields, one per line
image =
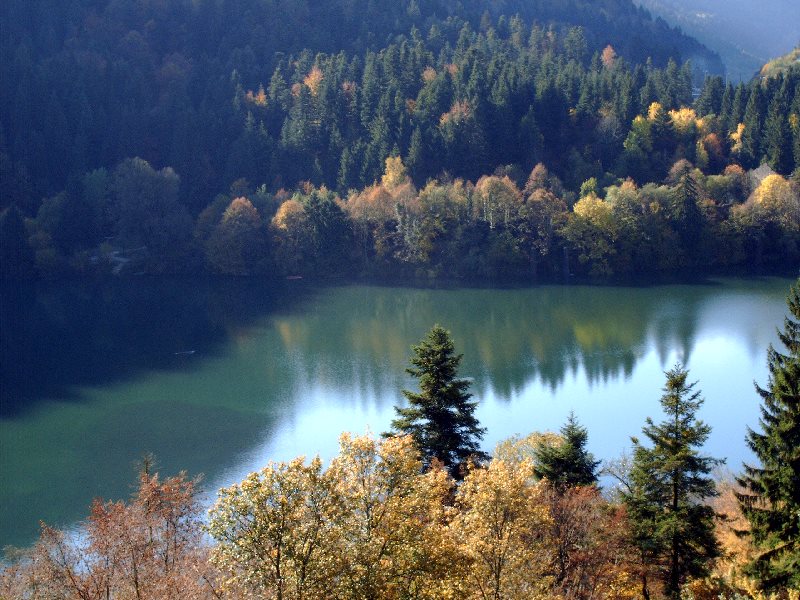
x=371 y=526
x=149 y=547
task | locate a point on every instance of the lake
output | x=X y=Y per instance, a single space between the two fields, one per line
x=219 y=377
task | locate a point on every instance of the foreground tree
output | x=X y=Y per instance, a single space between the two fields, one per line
x=670 y=523
x=771 y=500
x=501 y=527
x=370 y=527
x=440 y=417
x=270 y=531
x=150 y=547
x=567 y=463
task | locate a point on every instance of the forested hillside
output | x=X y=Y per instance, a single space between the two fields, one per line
x=96 y=81
x=239 y=138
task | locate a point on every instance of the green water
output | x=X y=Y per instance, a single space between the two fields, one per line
x=220 y=377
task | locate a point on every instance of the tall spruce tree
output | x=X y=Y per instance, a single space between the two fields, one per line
x=670 y=524
x=440 y=417
x=771 y=501
x=567 y=464
x=753 y=124
x=777 y=132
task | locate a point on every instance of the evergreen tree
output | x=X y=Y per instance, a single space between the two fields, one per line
x=440 y=417
x=777 y=135
x=794 y=121
x=771 y=501
x=710 y=99
x=687 y=217
x=737 y=107
x=751 y=138
x=567 y=464
x=671 y=525
x=726 y=106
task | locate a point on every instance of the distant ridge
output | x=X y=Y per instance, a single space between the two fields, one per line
x=782 y=64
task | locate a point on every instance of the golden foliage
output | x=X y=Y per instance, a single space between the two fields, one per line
x=496 y=199
x=270 y=530
x=395 y=173
x=370 y=526
x=609 y=56
x=736 y=138
x=500 y=526
x=428 y=74
x=654 y=111
x=241 y=212
x=289 y=214
x=594 y=210
x=313 y=80
x=779 y=199
x=684 y=120
x=259 y=98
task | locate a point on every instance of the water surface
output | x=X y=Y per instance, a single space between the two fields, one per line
x=218 y=377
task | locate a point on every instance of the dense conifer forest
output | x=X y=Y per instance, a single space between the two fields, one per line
x=526 y=140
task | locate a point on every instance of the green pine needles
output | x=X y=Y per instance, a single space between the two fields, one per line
x=440 y=416
x=569 y=463
x=671 y=524
x=771 y=500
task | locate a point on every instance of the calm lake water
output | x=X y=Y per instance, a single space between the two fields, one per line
x=219 y=377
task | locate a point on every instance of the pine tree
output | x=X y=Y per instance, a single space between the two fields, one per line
x=751 y=138
x=567 y=464
x=688 y=219
x=671 y=525
x=440 y=417
x=710 y=100
x=737 y=107
x=777 y=135
x=771 y=501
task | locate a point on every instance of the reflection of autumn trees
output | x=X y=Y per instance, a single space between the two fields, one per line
x=509 y=337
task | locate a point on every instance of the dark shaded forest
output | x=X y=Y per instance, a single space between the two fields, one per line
x=434 y=139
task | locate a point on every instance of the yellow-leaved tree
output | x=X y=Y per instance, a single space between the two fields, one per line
x=390 y=537
x=501 y=528
x=372 y=526
x=273 y=532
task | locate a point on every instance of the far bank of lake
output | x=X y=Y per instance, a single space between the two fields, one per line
x=219 y=377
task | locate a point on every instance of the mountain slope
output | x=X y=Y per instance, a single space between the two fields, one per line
x=745 y=33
